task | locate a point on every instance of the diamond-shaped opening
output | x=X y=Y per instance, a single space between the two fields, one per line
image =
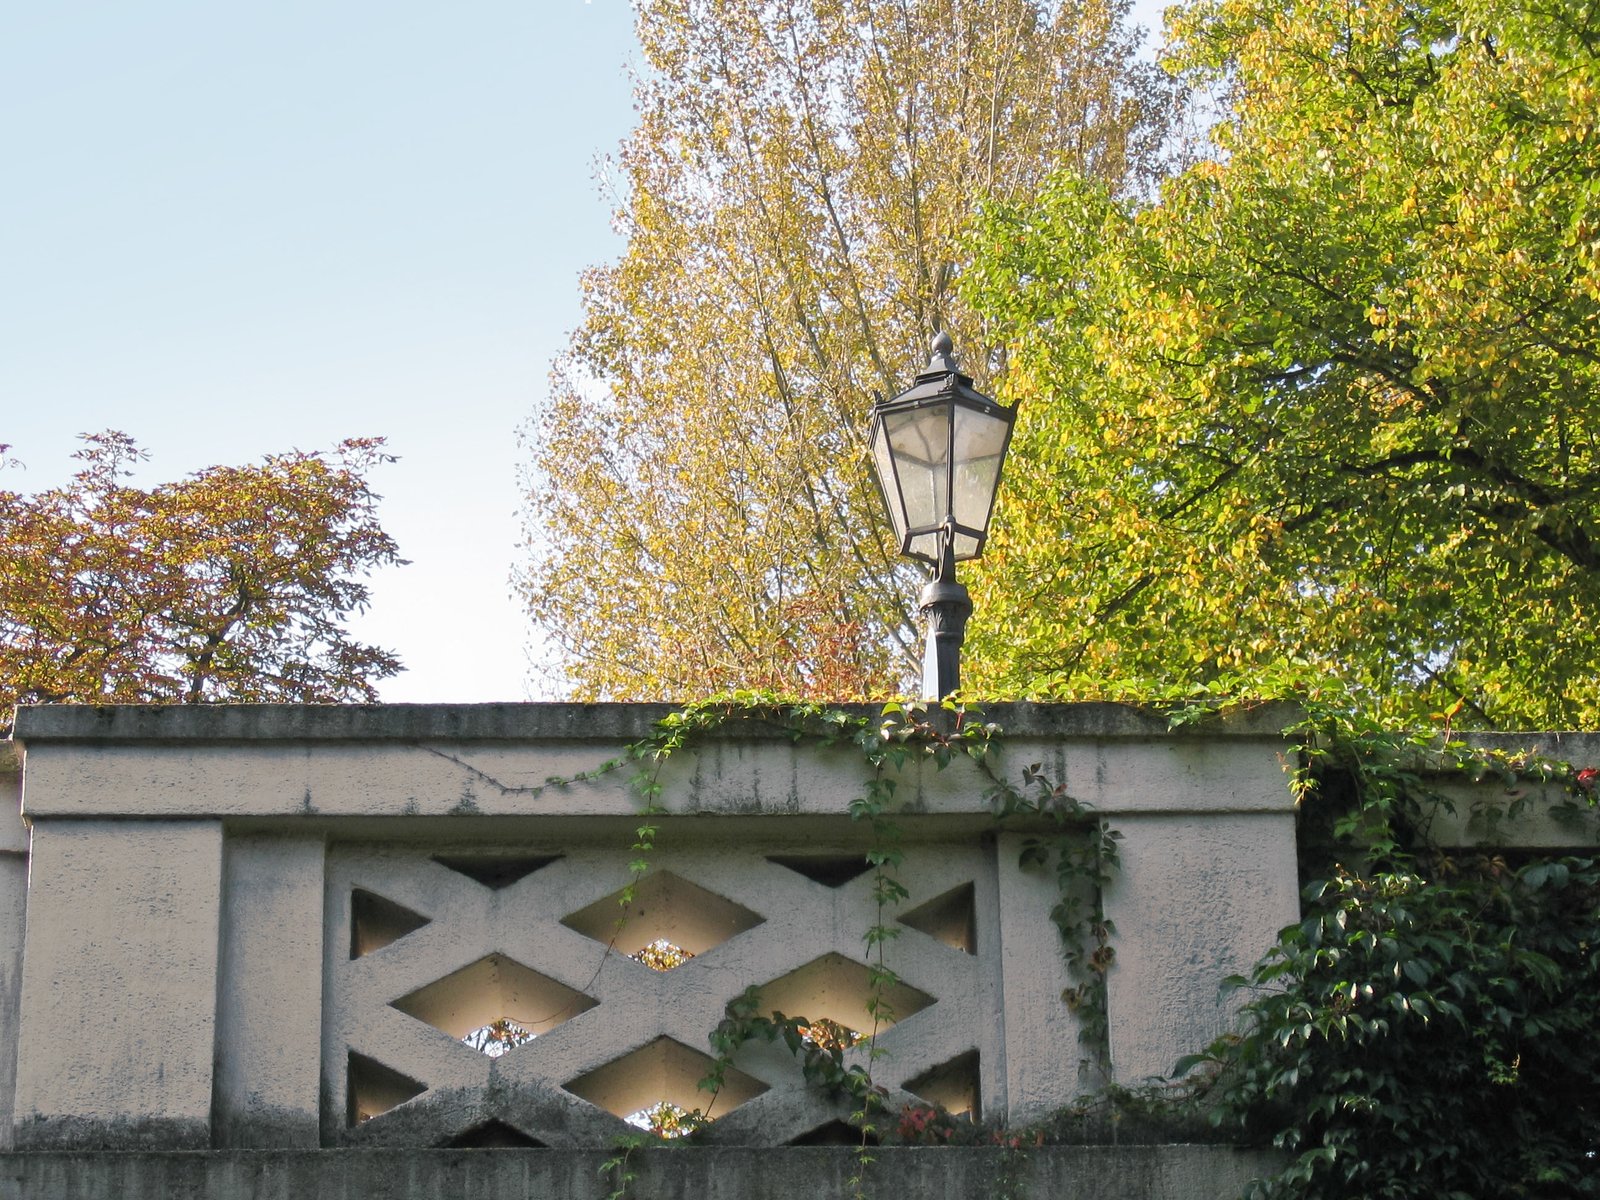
x=953 y=1086
x=372 y=1089
x=664 y=908
x=951 y=917
x=661 y=955
x=376 y=922
x=492 y=990
x=830 y=1035
x=662 y=1070
x=839 y=989
x=667 y=1120
x=494 y=1135
x=499 y=1037
x=834 y=1133
x=830 y=870
x=495 y=871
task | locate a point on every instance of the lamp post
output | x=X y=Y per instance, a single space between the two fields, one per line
x=938 y=447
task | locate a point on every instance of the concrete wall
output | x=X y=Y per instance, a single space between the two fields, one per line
x=267 y=927
x=812 y=1173
x=13 y=918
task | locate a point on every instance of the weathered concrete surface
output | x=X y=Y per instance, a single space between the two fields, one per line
x=1207 y=898
x=87 y=762
x=1031 y=980
x=550 y=722
x=686 y=1173
x=119 y=987
x=13 y=916
x=13 y=912
x=270 y=889
x=1519 y=814
x=13 y=833
x=269 y=1002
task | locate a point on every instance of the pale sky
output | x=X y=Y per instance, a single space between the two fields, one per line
x=237 y=227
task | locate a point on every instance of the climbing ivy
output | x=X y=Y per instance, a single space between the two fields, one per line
x=1078 y=846
x=1429 y=1027
x=1083 y=848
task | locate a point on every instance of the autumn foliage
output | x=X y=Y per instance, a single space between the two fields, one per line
x=700 y=511
x=232 y=584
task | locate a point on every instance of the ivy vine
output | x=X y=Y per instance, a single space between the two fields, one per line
x=1078 y=846
x=1429 y=1026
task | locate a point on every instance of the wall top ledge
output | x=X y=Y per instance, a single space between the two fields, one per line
x=555 y=722
x=1580 y=748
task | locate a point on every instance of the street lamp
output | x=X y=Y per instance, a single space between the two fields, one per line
x=938 y=447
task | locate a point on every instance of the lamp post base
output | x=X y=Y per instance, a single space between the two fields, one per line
x=945 y=606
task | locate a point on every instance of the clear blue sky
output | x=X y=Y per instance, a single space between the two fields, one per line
x=233 y=228
x=237 y=228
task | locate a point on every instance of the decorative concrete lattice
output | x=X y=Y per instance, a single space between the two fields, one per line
x=427 y=947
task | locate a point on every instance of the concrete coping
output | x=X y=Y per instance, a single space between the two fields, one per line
x=1579 y=748
x=565 y=722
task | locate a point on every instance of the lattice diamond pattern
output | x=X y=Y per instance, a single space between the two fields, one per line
x=619 y=1017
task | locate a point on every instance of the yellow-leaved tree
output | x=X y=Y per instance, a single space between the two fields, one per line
x=700 y=513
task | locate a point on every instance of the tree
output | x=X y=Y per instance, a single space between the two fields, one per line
x=230 y=585
x=1330 y=407
x=700 y=512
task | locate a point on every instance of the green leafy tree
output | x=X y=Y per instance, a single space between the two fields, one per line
x=700 y=512
x=1330 y=407
x=230 y=585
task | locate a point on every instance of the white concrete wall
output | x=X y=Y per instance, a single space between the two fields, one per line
x=13 y=914
x=269 y=999
x=119 y=984
x=191 y=977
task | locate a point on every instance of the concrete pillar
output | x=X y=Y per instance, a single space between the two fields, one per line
x=269 y=1004
x=1198 y=898
x=1043 y=1056
x=119 y=985
x=13 y=913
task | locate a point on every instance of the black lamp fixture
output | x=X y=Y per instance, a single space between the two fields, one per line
x=938 y=448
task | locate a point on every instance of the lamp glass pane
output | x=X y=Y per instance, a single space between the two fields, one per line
x=925 y=546
x=920 y=441
x=980 y=440
x=888 y=481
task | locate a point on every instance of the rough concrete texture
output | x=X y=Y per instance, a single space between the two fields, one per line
x=1519 y=815
x=13 y=910
x=682 y=1173
x=269 y=1002
x=326 y=779
x=119 y=984
x=549 y=722
x=1031 y=979
x=13 y=916
x=13 y=833
x=1207 y=898
x=323 y=901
